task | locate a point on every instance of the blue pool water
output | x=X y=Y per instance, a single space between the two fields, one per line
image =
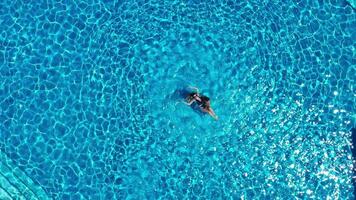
x=90 y=96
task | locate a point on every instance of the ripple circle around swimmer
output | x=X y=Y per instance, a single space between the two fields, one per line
x=90 y=99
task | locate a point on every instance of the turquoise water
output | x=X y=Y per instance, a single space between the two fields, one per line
x=90 y=98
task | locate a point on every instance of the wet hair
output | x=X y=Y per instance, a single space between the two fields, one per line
x=191 y=96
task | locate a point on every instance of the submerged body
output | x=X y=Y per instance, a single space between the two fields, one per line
x=202 y=101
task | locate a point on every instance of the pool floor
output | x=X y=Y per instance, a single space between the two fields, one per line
x=91 y=99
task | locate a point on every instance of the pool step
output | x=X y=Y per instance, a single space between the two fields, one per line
x=4 y=195
x=352 y=3
x=15 y=184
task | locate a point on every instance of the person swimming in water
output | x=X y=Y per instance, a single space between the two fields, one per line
x=202 y=101
x=193 y=96
x=205 y=106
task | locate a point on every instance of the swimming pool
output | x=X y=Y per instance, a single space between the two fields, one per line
x=90 y=105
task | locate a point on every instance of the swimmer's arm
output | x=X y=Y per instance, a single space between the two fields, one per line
x=194 y=88
x=187 y=103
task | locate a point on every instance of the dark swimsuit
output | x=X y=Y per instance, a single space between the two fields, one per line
x=204 y=102
x=204 y=99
